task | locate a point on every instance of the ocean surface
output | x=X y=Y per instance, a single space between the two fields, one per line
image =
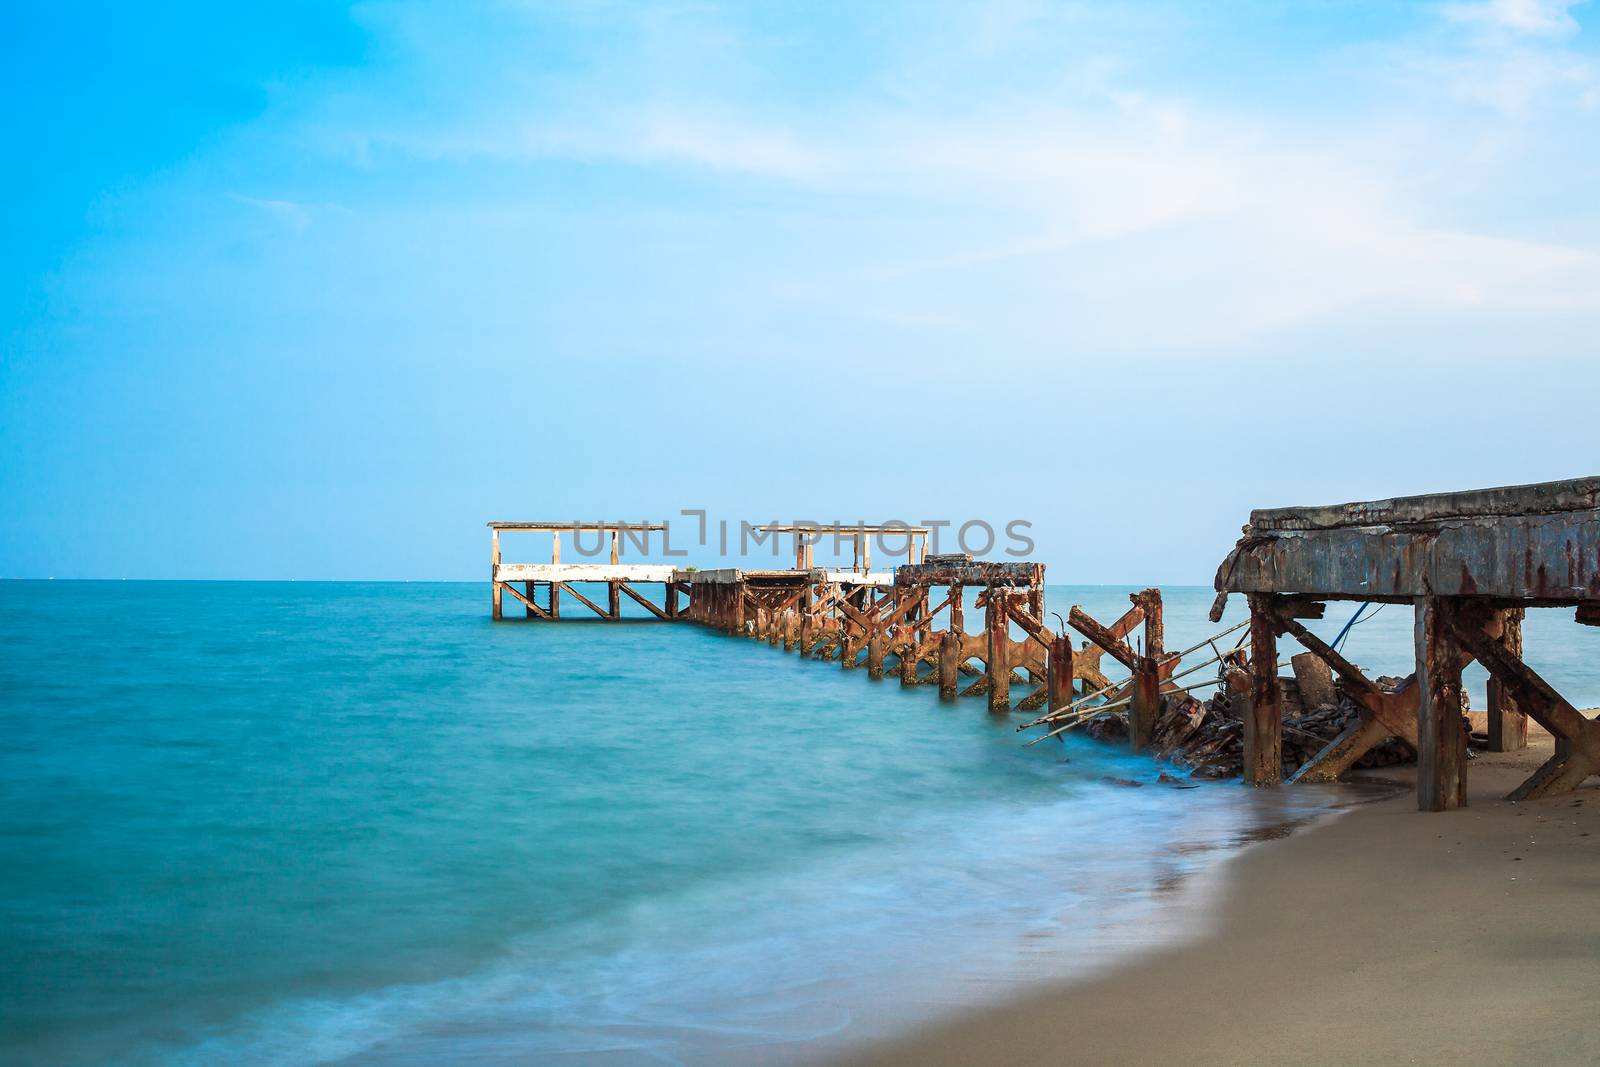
x=286 y=823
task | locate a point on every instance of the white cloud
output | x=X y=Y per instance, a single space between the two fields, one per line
x=642 y=133
x=1539 y=18
x=1142 y=237
x=1133 y=216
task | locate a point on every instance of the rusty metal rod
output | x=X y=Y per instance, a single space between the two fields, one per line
x=1117 y=705
x=1056 y=714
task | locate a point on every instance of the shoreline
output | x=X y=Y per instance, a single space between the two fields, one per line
x=1383 y=935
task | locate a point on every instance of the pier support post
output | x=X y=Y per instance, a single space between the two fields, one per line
x=1144 y=704
x=949 y=663
x=1263 y=726
x=1508 y=726
x=1058 y=672
x=998 y=624
x=670 y=600
x=849 y=646
x=807 y=610
x=1441 y=736
x=494 y=582
x=527 y=609
x=555 y=600
x=615 y=597
x=908 y=650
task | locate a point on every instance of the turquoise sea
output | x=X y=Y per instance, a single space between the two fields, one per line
x=285 y=823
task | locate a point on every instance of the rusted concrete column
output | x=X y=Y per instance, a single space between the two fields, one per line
x=1155 y=627
x=1144 y=707
x=875 y=653
x=1508 y=726
x=670 y=601
x=909 y=631
x=1058 y=672
x=555 y=601
x=527 y=609
x=1263 y=727
x=998 y=625
x=949 y=663
x=1441 y=736
x=849 y=643
x=615 y=593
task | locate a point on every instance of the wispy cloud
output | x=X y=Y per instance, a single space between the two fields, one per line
x=643 y=134
x=1024 y=178
x=1539 y=18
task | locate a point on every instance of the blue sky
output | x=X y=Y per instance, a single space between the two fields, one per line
x=315 y=290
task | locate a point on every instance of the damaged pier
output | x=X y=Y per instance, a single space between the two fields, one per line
x=910 y=621
x=1470 y=565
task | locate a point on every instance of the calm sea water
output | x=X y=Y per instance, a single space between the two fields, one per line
x=358 y=823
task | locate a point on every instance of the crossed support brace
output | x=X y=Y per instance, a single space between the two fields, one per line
x=1577 y=738
x=1425 y=709
x=1149 y=669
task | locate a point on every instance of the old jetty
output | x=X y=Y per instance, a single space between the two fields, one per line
x=1469 y=563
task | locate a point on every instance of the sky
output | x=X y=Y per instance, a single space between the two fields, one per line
x=314 y=290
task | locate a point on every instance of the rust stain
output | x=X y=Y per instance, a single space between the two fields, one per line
x=1469 y=584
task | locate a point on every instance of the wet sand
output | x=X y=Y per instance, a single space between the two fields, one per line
x=1384 y=936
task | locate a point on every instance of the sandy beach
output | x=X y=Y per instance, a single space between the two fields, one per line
x=1383 y=936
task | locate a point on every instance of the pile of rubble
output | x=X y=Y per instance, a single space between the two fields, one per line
x=1208 y=736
